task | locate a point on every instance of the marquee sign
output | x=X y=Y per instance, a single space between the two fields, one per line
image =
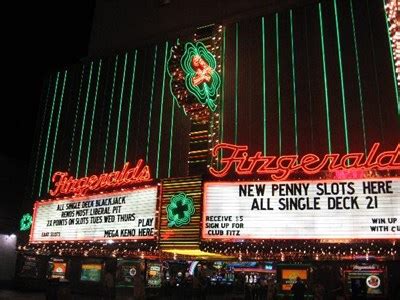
x=115 y=216
x=280 y=168
x=343 y=209
x=64 y=184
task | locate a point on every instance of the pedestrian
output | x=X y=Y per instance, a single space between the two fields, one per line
x=271 y=289
x=109 y=287
x=298 y=289
x=138 y=287
x=319 y=291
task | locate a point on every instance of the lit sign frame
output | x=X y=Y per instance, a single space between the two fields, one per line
x=231 y=220
x=280 y=168
x=99 y=197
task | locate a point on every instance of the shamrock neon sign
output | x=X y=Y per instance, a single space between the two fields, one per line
x=25 y=222
x=201 y=77
x=179 y=210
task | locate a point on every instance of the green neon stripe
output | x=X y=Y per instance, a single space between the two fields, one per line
x=151 y=103
x=222 y=92
x=278 y=78
x=236 y=79
x=358 y=77
x=91 y=122
x=48 y=134
x=84 y=120
x=161 y=110
x=396 y=90
x=296 y=143
x=76 y=118
x=328 y=127
x=264 y=85
x=171 y=135
x=41 y=135
x=109 y=113
x=346 y=136
x=56 y=132
x=119 y=111
x=130 y=107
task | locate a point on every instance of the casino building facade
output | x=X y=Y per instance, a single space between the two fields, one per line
x=235 y=148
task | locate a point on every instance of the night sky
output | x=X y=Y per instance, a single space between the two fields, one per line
x=41 y=37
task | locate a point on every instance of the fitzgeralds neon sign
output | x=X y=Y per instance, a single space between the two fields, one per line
x=280 y=168
x=64 y=184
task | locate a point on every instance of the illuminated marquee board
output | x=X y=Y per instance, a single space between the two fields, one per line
x=117 y=216
x=345 y=209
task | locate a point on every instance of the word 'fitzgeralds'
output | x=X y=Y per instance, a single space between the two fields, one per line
x=68 y=185
x=280 y=168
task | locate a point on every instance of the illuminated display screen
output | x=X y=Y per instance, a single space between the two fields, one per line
x=345 y=209
x=58 y=269
x=289 y=277
x=91 y=272
x=126 y=270
x=368 y=281
x=117 y=216
x=154 y=274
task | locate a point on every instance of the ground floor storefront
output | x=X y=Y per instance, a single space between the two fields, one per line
x=134 y=278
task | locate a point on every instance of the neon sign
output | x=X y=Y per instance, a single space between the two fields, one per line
x=201 y=79
x=67 y=185
x=25 y=222
x=180 y=210
x=280 y=168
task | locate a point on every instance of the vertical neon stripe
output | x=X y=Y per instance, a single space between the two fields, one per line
x=109 y=113
x=76 y=118
x=296 y=144
x=56 y=132
x=161 y=109
x=346 y=136
x=91 y=122
x=358 y=77
x=328 y=126
x=151 y=103
x=48 y=134
x=236 y=79
x=393 y=66
x=119 y=111
x=130 y=108
x=264 y=86
x=222 y=94
x=84 y=120
x=278 y=78
x=40 y=136
x=171 y=135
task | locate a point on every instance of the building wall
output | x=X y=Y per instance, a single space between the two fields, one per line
x=8 y=257
x=318 y=78
x=124 y=24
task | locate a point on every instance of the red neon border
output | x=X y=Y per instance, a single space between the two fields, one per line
x=42 y=202
x=208 y=239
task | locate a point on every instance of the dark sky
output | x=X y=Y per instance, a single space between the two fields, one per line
x=41 y=36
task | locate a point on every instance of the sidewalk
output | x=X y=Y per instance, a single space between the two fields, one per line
x=20 y=295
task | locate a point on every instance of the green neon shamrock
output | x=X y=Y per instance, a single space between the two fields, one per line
x=201 y=77
x=179 y=210
x=26 y=222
